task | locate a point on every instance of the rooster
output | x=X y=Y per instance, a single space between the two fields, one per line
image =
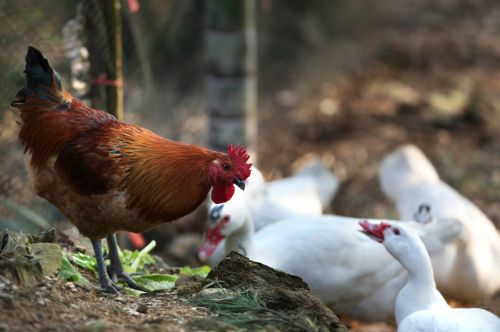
x=105 y=175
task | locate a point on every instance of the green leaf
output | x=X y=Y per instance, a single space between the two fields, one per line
x=131 y=291
x=201 y=271
x=132 y=261
x=84 y=261
x=156 y=281
x=143 y=256
x=135 y=261
x=69 y=273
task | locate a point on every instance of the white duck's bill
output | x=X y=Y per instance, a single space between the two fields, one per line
x=374 y=231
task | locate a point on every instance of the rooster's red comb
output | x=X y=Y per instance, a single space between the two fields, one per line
x=240 y=157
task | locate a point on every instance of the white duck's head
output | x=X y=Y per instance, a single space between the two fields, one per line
x=402 y=242
x=423 y=214
x=403 y=167
x=224 y=220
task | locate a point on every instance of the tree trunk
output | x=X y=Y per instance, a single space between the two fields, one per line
x=231 y=79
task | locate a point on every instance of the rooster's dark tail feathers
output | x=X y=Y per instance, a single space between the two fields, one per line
x=42 y=82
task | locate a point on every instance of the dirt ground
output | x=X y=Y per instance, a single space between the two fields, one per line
x=56 y=305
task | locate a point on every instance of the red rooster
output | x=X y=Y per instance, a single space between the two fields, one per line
x=106 y=175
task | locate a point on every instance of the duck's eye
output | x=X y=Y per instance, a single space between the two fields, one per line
x=395 y=231
x=226 y=167
x=216 y=212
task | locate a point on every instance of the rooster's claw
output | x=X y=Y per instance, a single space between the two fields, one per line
x=131 y=283
x=122 y=276
x=109 y=288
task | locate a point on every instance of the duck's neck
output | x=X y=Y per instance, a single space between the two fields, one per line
x=241 y=240
x=419 y=292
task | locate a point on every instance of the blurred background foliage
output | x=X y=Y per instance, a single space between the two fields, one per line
x=347 y=79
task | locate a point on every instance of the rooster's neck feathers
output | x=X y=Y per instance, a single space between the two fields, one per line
x=155 y=164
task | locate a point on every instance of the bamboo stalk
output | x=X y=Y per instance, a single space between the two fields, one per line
x=114 y=68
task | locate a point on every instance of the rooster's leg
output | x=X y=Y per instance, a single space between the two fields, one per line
x=115 y=270
x=106 y=284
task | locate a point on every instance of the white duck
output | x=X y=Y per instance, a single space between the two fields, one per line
x=306 y=193
x=341 y=265
x=419 y=305
x=468 y=268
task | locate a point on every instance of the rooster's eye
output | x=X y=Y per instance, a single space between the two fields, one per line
x=395 y=231
x=226 y=167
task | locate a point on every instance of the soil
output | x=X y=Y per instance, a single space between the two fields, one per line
x=55 y=305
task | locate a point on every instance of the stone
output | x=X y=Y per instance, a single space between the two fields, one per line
x=50 y=256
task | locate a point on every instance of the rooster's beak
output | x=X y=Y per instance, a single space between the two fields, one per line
x=240 y=183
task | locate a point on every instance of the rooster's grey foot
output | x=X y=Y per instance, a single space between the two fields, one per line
x=115 y=269
x=122 y=276
x=109 y=287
